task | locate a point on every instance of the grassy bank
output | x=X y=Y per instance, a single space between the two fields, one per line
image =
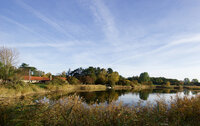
x=22 y=89
x=71 y=88
x=192 y=87
x=179 y=87
x=142 y=87
x=120 y=87
x=179 y=112
x=135 y=87
x=27 y=89
x=19 y=90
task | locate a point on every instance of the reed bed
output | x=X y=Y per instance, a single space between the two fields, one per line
x=19 y=90
x=23 y=89
x=73 y=111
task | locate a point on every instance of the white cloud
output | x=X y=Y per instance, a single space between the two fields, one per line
x=104 y=17
x=44 y=18
x=167 y=48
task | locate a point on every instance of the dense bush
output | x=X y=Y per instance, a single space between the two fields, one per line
x=58 y=81
x=11 y=89
x=73 y=80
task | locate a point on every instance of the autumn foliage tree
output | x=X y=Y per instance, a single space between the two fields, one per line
x=8 y=62
x=113 y=78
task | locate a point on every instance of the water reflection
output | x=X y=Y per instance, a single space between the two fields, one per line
x=102 y=96
x=126 y=96
x=144 y=94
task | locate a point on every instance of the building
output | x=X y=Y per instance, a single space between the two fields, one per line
x=35 y=79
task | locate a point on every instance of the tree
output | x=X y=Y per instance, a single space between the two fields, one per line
x=1 y=71
x=101 y=77
x=186 y=81
x=26 y=69
x=144 y=77
x=113 y=78
x=73 y=80
x=24 y=65
x=168 y=83
x=63 y=74
x=47 y=75
x=87 y=80
x=8 y=59
x=195 y=81
x=68 y=73
x=110 y=70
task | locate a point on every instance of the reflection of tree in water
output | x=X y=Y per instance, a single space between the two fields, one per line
x=186 y=92
x=166 y=90
x=144 y=94
x=101 y=96
x=195 y=92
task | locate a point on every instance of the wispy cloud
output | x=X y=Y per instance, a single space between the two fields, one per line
x=45 y=42
x=45 y=19
x=104 y=18
x=18 y=24
x=50 y=44
x=138 y=36
x=26 y=28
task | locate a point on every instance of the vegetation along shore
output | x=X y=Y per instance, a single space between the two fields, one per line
x=21 y=81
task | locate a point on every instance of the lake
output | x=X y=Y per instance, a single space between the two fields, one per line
x=128 y=97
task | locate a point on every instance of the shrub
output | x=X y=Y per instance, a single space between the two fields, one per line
x=73 y=111
x=58 y=81
x=73 y=80
x=168 y=83
x=87 y=80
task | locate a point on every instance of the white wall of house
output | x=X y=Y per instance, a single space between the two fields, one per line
x=32 y=81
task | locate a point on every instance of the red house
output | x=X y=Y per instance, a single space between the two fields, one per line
x=34 y=79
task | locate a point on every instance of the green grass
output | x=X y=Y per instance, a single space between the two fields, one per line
x=41 y=85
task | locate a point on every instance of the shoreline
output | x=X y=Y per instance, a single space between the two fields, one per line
x=38 y=89
x=45 y=89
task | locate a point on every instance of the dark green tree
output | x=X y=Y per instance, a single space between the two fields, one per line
x=109 y=70
x=195 y=81
x=186 y=81
x=144 y=77
x=144 y=95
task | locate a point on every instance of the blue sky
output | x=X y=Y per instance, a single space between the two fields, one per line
x=161 y=37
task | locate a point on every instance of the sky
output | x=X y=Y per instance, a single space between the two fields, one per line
x=161 y=37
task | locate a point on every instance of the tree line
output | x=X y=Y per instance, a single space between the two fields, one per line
x=9 y=72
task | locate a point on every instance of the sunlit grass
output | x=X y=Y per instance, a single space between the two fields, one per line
x=22 y=89
x=15 y=90
x=74 y=111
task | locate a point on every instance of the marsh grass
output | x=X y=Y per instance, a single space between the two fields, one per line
x=71 y=88
x=74 y=112
x=22 y=89
x=15 y=90
x=192 y=87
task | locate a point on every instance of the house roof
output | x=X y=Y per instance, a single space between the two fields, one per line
x=36 y=78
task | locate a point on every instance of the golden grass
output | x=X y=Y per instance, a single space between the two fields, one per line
x=142 y=87
x=19 y=90
x=121 y=87
x=73 y=112
x=26 y=89
x=192 y=87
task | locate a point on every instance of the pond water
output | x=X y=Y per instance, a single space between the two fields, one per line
x=128 y=97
